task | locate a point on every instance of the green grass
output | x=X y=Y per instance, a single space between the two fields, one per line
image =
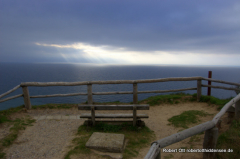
x=3 y=119
x=18 y=125
x=212 y=100
x=160 y=99
x=186 y=118
x=11 y=110
x=137 y=138
x=230 y=139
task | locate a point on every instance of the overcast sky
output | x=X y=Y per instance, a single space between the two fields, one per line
x=187 y=32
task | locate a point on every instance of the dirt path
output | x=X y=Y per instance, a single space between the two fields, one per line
x=51 y=138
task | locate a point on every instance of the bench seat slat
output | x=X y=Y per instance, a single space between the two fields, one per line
x=88 y=115
x=114 y=107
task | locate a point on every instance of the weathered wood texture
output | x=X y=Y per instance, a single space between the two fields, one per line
x=164 y=91
x=93 y=115
x=199 y=89
x=114 y=107
x=88 y=115
x=139 y=92
x=225 y=108
x=154 y=152
x=210 y=142
x=237 y=110
x=135 y=95
x=209 y=83
x=185 y=134
x=43 y=84
x=10 y=91
x=108 y=93
x=134 y=116
x=90 y=98
x=219 y=81
x=26 y=98
x=58 y=95
x=9 y=98
x=221 y=87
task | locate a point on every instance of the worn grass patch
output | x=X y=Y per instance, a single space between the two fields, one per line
x=18 y=125
x=212 y=100
x=10 y=111
x=186 y=118
x=230 y=139
x=137 y=138
x=169 y=98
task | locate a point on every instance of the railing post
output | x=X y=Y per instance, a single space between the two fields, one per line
x=159 y=155
x=93 y=115
x=210 y=142
x=134 y=115
x=26 y=97
x=135 y=95
x=199 y=89
x=237 y=110
x=209 y=83
x=90 y=99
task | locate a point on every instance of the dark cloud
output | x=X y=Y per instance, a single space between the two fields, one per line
x=193 y=26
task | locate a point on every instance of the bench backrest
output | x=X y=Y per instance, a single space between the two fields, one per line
x=114 y=107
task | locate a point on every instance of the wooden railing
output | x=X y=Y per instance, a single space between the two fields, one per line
x=89 y=84
x=209 y=127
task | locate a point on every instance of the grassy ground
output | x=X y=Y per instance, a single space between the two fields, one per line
x=16 y=125
x=186 y=118
x=137 y=138
x=228 y=139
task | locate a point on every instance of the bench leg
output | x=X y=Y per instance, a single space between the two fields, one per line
x=134 y=115
x=93 y=115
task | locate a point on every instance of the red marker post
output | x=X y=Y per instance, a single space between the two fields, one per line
x=209 y=83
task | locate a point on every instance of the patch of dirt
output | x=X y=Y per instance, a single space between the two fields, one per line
x=51 y=138
x=4 y=130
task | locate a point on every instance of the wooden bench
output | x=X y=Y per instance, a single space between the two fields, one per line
x=133 y=107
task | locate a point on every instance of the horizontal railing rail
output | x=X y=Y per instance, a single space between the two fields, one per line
x=9 y=98
x=220 y=87
x=44 y=84
x=10 y=91
x=220 y=81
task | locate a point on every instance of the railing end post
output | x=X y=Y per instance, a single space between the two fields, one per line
x=199 y=89
x=26 y=97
